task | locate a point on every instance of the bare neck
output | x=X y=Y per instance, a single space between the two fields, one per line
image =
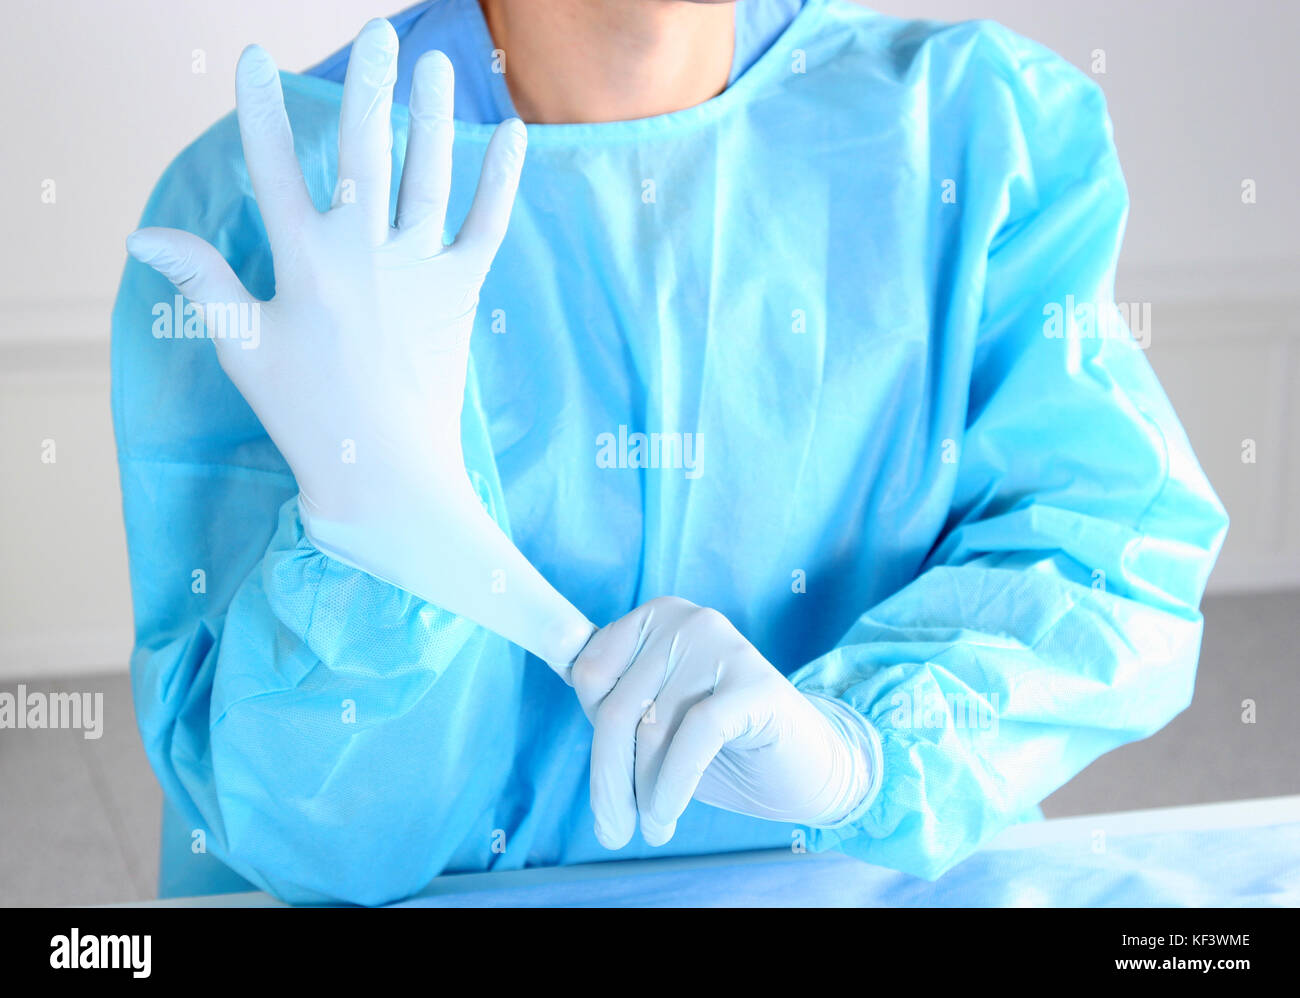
x=611 y=60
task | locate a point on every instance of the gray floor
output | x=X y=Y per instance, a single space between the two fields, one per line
x=79 y=818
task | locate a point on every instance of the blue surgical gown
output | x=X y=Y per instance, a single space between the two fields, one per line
x=873 y=278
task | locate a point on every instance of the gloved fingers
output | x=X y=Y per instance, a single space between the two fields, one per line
x=199 y=272
x=613 y=755
x=613 y=792
x=707 y=727
x=612 y=649
x=366 y=130
x=273 y=166
x=659 y=729
x=426 y=175
x=485 y=225
x=606 y=656
x=202 y=275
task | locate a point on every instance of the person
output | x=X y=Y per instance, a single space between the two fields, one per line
x=787 y=351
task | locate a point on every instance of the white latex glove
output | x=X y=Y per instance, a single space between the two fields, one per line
x=359 y=375
x=684 y=706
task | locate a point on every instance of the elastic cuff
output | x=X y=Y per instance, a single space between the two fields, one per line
x=861 y=734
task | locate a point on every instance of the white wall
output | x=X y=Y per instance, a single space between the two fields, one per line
x=100 y=96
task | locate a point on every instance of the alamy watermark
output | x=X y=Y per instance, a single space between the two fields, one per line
x=76 y=951
x=1101 y=320
x=680 y=451
x=186 y=320
x=34 y=709
x=950 y=710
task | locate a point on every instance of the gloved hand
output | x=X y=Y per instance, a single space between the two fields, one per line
x=359 y=372
x=684 y=706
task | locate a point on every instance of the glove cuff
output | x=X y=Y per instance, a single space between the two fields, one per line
x=865 y=766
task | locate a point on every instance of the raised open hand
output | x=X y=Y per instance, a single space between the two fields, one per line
x=358 y=374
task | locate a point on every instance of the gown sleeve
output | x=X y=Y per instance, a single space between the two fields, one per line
x=1056 y=617
x=310 y=725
